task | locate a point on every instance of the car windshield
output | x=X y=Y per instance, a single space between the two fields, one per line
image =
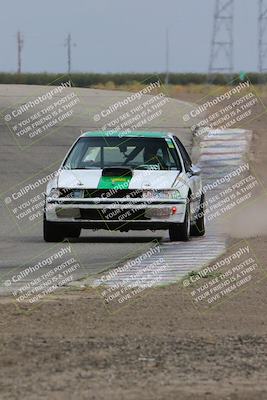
x=133 y=152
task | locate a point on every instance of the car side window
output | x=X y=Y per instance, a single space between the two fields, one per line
x=184 y=154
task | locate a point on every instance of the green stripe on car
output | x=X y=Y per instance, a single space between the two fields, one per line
x=114 y=182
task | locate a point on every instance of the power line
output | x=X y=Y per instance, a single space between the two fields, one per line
x=69 y=45
x=167 y=76
x=262 y=36
x=20 y=43
x=222 y=44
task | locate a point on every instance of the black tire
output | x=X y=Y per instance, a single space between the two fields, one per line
x=181 y=232
x=51 y=232
x=198 y=228
x=73 y=232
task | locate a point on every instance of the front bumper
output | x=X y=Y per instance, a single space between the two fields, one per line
x=105 y=213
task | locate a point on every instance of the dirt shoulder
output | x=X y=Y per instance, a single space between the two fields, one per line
x=158 y=347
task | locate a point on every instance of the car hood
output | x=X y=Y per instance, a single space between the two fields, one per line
x=141 y=179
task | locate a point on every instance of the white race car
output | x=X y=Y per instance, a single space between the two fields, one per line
x=125 y=181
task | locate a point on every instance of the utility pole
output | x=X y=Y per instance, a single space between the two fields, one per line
x=20 y=46
x=262 y=36
x=222 y=44
x=167 y=48
x=69 y=45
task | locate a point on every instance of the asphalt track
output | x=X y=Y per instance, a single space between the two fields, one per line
x=19 y=161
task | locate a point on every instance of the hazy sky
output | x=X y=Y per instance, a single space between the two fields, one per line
x=120 y=35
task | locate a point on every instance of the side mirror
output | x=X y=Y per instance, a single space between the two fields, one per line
x=195 y=170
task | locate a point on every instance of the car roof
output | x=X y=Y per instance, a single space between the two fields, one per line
x=161 y=135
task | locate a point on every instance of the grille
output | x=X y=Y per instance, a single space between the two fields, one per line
x=113 y=193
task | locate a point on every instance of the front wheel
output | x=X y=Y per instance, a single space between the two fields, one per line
x=198 y=229
x=181 y=232
x=51 y=232
x=73 y=232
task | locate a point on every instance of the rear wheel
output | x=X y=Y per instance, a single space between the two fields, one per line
x=198 y=228
x=181 y=232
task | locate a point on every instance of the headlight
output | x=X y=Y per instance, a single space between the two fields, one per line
x=162 y=194
x=77 y=193
x=55 y=193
